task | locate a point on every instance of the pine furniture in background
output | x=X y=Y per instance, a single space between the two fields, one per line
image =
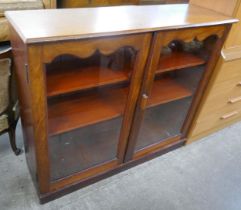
x=221 y=103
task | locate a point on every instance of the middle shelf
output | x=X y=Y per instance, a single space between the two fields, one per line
x=89 y=107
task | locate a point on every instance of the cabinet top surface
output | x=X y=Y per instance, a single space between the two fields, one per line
x=35 y=26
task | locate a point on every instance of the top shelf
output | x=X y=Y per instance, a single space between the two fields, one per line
x=177 y=61
x=62 y=81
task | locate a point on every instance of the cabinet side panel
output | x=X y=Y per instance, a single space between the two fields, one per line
x=20 y=61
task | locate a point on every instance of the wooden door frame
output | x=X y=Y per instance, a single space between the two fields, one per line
x=83 y=49
x=163 y=39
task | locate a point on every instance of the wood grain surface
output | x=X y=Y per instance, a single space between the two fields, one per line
x=66 y=24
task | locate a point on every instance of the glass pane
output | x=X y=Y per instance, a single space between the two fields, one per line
x=86 y=102
x=162 y=122
x=84 y=147
x=168 y=105
x=177 y=77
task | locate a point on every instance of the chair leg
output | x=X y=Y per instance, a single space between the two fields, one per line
x=12 y=137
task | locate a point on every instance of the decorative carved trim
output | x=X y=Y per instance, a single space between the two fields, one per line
x=86 y=48
x=92 y=52
x=191 y=34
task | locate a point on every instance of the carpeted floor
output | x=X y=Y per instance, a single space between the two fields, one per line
x=203 y=176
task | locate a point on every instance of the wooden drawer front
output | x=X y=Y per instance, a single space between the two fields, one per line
x=216 y=120
x=223 y=103
x=226 y=87
x=228 y=108
x=223 y=100
x=229 y=70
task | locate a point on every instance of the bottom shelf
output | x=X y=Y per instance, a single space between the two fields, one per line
x=162 y=122
x=83 y=148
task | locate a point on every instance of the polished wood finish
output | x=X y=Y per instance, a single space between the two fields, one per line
x=98 y=24
x=103 y=115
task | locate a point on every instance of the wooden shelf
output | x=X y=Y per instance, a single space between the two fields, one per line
x=79 y=110
x=166 y=90
x=90 y=107
x=178 y=60
x=61 y=81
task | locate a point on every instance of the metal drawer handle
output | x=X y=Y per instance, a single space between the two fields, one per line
x=235 y=100
x=239 y=84
x=227 y=116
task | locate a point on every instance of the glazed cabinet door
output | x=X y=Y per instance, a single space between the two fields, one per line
x=91 y=91
x=177 y=72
